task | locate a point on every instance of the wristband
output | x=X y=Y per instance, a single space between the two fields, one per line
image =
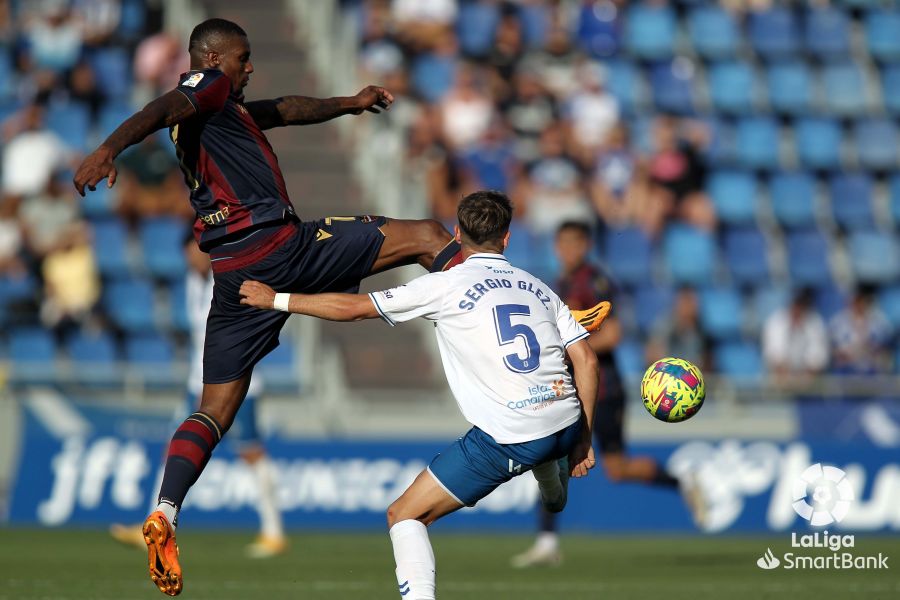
x=282 y=302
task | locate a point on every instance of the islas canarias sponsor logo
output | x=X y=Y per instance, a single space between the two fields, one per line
x=539 y=396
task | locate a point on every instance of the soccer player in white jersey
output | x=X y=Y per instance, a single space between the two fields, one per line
x=504 y=337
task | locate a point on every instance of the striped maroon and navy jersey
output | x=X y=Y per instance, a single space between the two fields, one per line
x=228 y=163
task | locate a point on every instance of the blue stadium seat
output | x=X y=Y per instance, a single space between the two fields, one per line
x=745 y=253
x=149 y=349
x=673 y=90
x=876 y=144
x=650 y=32
x=890 y=86
x=889 y=303
x=830 y=300
x=768 y=299
x=851 y=200
x=162 y=244
x=628 y=254
x=721 y=313
x=629 y=355
x=279 y=367
x=844 y=89
x=92 y=349
x=808 y=258
x=112 y=67
x=734 y=194
x=597 y=34
x=790 y=87
x=99 y=204
x=875 y=257
x=16 y=287
x=731 y=87
x=690 y=255
x=111 y=247
x=475 y=27
x=757 y=143
x=624 y=82
x=714 y=32
x=793 y=198
x=827 y=33
x=177 y=308
x=431 y=76
x=773 y=33
x=129 y=303
x=111 y=116
x=882 y=38
x=740 y=361
x=535 y=19
x=71 y=122
x=819 y=143
x=719 y=150
x=31 y=345
x=895 y=198
x=651 y=304
x=131 y=24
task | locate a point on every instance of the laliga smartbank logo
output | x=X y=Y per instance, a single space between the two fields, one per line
x=822 y=495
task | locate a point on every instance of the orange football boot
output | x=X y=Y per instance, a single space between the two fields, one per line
x=162 y=554
x=591 y=318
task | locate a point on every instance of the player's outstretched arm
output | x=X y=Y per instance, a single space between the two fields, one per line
x=334 y=307
x=167 y=110
x=586 y=369
x=303 y=110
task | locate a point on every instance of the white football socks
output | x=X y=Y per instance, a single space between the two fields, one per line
x=547 y=541
x=267 y=505
x=415 y=560
x=169 y=511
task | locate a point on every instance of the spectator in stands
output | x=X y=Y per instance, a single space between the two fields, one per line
x=10 y=237
x=466 y=111
x=680 y=334
x=418 y=24
x=508 y=47
x=81 y=83
x=490 y=163
x=860 y=335
x=619 y=188
x=32 y=154
x=591 y=112
x=51 y=37
x=677 y=176
x=150 y=183
x=556 y=63
x=98 y=19
x=51 y=220
x=529 y=111
x=71 y=283
x=795 y=341
x=158 y=61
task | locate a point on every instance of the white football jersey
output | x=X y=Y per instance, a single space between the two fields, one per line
x=503 y=335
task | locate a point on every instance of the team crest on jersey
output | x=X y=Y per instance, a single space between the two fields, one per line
x=193 y=80
x=242 y=109
x=367 y=219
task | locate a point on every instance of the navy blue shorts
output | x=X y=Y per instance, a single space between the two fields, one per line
x=329 y=255
x=475 y=464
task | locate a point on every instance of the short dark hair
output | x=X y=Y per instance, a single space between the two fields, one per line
x=206 y=32
x=578 y=226
x=484 y=216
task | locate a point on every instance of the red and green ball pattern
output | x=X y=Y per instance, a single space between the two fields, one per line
x=672 y=389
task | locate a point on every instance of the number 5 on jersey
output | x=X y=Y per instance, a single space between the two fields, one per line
x=507 y=332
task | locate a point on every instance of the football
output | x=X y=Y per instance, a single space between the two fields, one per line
x=672 y=389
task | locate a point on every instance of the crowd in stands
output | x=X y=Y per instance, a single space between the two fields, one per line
x=730 y=156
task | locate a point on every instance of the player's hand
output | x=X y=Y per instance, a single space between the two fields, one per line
x=581 y=460
x=257 y=295
x=96 y=167
x=373 y=99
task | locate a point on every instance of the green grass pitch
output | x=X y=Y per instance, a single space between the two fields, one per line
x=62 y=565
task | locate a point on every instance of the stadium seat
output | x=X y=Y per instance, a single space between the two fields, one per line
x=432 y=76
x=851 y=200
x=149 y=349
x=731 y=87
x=112 y=66
x=790 y=88
x=769 y=299
x=713 y=32
x=890 y=86
x=596 y=33
x=756 y=143
x=279 y=367
x=133 y=20
x=162 y=245
x=624 y=81
x=793 y=198
x=808 y=258
x=818 y=143
x=690 y=255
x=741 y=361
x=845 y=89
x=882 y=38
x=746 y=255
x=889 y=303
x=71 y=122
x=773 y=33
x=92 y=349
x=673 y=89
x=721 y=313
x=111 y=247
x=651 y=304
x=876 y=144
x=630 y=358
x=31 y=345
x=719 y=149
x=475 y=27
x=650 y=32
x=98 y=204
x=129 y=303
x=827 y=33
x=628 y=254
x=534 y=19
x=875 y=257
x=111 y=116
x=734 y=195
x=895 y=199
x=16 y=287
x=829 y=301
x=177 y=309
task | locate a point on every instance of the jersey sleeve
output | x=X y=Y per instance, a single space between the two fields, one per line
x=570 y=331
x=207 y=90
x=421 y=297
